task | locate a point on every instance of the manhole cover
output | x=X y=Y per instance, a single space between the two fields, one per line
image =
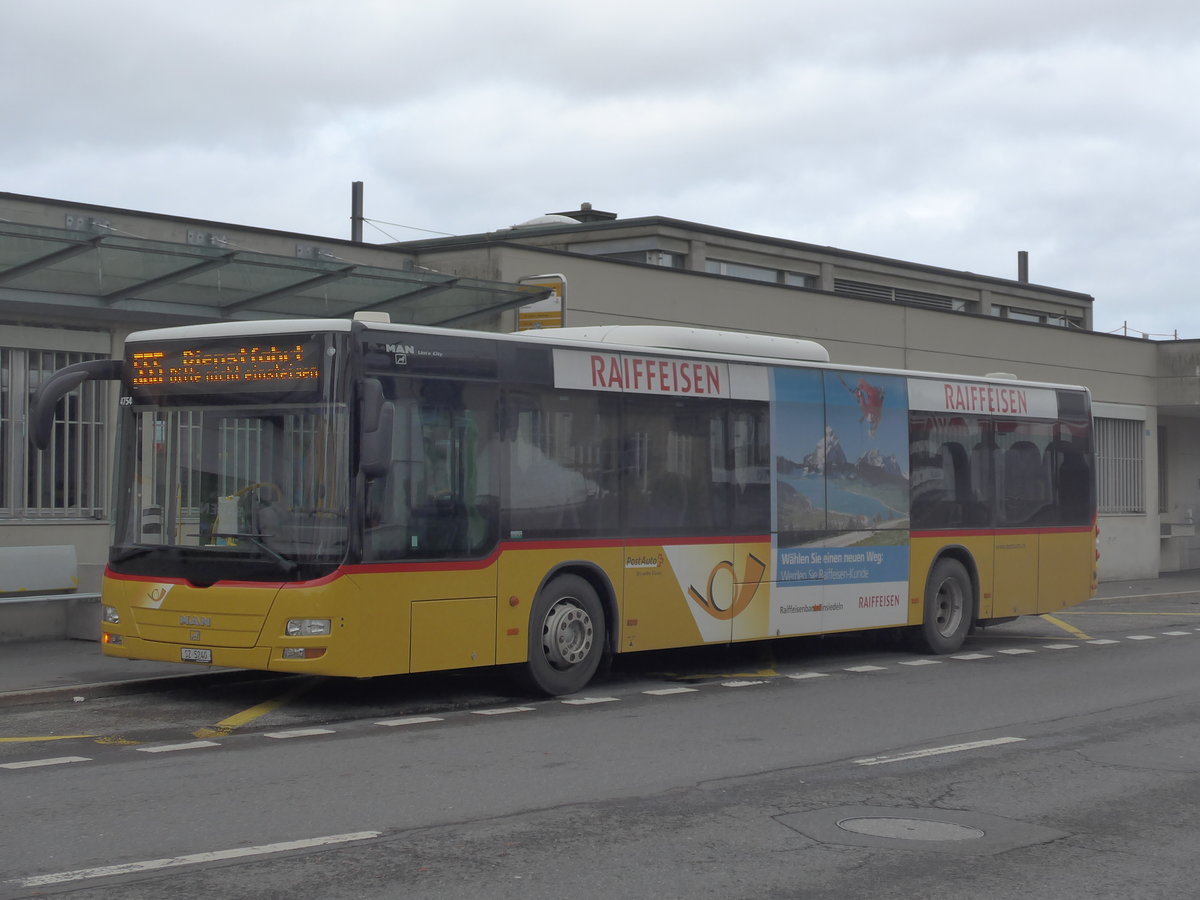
x=953 y=832
x=910 y=829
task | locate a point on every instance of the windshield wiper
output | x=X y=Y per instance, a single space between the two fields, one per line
x=289 y=566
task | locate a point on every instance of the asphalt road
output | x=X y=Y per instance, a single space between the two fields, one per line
x=1049 y=758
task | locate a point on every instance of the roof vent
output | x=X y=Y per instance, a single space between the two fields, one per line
x=377 y=318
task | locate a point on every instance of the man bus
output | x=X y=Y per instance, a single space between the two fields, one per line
x=358 y=498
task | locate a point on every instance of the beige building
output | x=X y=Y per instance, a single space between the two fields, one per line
x=75 y=279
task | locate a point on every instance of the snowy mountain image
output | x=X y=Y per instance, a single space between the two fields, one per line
x=825 y=489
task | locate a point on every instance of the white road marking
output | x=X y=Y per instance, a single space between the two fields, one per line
x=1177 y=633
x=737 y=684
x=298 y=732
x=801 y=676
x=936 y=751
x=52 y=761
x=171 y=748
x=192 y=859
x=1016 y=651
x=586 y=701
x=971 y=656
x=1101 y=641
x=503 y=711
x=664 y=692
x=866 y=669
x=1139 y=637
x=410 y=720
x=920 y=662
x=1060 y=646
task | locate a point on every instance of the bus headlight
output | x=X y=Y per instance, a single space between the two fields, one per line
x=110 y=615
x=308 y=627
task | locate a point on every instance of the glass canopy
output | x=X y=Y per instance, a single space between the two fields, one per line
x=115 y=273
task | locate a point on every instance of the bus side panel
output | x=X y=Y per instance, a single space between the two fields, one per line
x=656 y=579
x=926 y=547
x=401 y=608
x=1016 y=582
x=453 y=634
x=850 y=581
x=523 y=570
x=1068 y=561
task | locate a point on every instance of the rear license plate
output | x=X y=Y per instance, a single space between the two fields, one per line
x=196 y=654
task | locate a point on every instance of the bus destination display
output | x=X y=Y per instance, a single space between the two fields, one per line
x=246 y=365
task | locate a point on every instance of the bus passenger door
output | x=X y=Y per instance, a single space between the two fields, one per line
x=1022 y=494
x=676 y=496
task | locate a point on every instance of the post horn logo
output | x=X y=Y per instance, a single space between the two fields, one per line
x=751 y=579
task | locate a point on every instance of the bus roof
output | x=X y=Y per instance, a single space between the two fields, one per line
x=670 y=339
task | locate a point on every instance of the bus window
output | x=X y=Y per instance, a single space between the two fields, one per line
x=438 y=497
x=1022 y=488
x=1069 y=475
x=951 y=487
x=751 y=447
x=675 y=474
x=561 y=471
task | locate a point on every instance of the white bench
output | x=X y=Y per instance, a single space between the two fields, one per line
x=40 y=597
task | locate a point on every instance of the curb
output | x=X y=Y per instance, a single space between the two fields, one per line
x=101 y=689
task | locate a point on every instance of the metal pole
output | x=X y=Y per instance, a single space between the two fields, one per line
x=356 y=211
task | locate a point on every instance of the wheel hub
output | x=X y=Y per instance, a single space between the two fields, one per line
x=567 y=635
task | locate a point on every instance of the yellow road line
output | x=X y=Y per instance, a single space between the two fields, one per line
x=34 y=740
x=226 y=726
x=1081 y=613
x=1071 y=629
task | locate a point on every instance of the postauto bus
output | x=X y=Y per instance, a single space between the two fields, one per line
x=357 y=498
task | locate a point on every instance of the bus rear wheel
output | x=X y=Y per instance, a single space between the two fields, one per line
x=949 y=608
x=567 y=636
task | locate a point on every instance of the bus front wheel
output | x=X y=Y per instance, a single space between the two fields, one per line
x=949 y=608
x=566 y=636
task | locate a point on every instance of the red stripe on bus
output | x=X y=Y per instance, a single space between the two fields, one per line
x=1001 y=532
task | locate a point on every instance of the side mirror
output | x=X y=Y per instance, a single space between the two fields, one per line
x=375 y=416
x=57 y=386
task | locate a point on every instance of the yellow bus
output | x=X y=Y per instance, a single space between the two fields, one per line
x=360 y=498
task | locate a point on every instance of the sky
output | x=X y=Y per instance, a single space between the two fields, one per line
x=946 y=133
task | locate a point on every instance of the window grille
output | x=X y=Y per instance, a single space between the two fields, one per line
x=69 y=479
x=870 y=291
x=1120 y=466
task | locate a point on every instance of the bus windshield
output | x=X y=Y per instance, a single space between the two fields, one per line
x=233 y=491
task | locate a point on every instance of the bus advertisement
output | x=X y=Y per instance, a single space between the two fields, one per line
x=361 y=498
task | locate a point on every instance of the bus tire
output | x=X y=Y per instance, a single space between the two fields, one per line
x=567 y=636
x=949 y=608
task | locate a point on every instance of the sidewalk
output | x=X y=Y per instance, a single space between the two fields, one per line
x=62 y=669
x=1167 y=584
x=41 y=670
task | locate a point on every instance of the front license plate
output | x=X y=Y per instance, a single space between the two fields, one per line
x=196 y=654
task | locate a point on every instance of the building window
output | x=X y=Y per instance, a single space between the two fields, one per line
x=1015 y=314
x=757 y=273
x=1120 y=466
x=1162 y=469
x=663 y=258
x=69 y=478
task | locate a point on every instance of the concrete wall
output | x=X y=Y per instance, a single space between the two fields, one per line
x=1122 y=373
